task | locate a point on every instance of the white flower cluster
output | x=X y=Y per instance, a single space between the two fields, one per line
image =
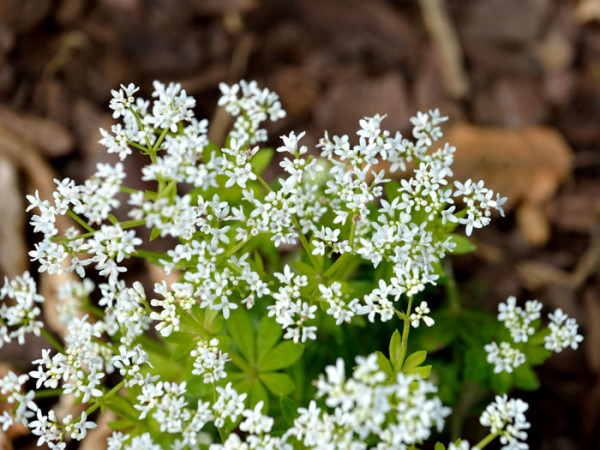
x=504 y=357
x=518 y=320
x=289 y=310
x=399 y=413
x=521 y=323
x=420 y=313
x=563 y=332
x=334 y=205
x=209 y=361
x=506 y=418
x=12 y=388
x=22 y=317
x=252 y=106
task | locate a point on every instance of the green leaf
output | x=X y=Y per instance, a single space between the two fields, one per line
x=261 y=160
x=283 y=355
x=120 y=424
x=536 y=355
x=463 y=244
x=384 y=363
x=395 y=350
x=241 y=330
x=154 y=233
x=237 y=359
x=414 y=360
x=269 y=333
x=501 y=382
x=259 y=393
x=121 y=407
x=422 y=371
x=178 y=337
x=289 y=409
x=476 y=366
x=525 y=378
x=279 y=384
x=183 y=350
x=391 y=190
x=439 y=446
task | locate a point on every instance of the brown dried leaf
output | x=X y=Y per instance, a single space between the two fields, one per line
x=13 y=257
x=522 y=164
x=46 y=134
x=588 y=11
x=525 y=165
x=533 y=223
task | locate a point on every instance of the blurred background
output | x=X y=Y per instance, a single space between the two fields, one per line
x=520 y=80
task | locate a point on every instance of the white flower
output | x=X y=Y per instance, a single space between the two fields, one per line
x=507 y=419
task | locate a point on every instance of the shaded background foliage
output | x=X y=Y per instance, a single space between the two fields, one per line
x=500 y=68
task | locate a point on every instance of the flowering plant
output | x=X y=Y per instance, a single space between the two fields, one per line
x=279 y=287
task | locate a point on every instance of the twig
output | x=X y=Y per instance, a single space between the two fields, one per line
x=447 y=45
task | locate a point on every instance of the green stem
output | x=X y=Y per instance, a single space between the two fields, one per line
x=109 y=394
x=342 y=259
x=57 y=345
x=486 y=440
x=159 y=140
x=451 y=287
x=405 y=331
x=48 y=393
x=264 y=183
x=80 y=221
x=235 y=248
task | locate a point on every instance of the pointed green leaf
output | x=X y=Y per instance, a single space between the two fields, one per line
x=395 y=350
x=269 y=333
x=414 y=360
x=240 y=327
x=501 y=382
x=422 y=371
x=119 y=425
x=261 y=160
x=178 y=337
x=239 y=361
x=283 y=355
x=183 y=350
x=384 y=363
x=525 y=378
x=154 y=233
x=279 y=384
x=463 y=244
x=289 y=409
x=439 y=446
x=259 y=393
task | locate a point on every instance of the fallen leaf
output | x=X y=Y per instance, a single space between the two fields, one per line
x=588 y=11
x=46 y=134
x=533 y=223
x=526 y=165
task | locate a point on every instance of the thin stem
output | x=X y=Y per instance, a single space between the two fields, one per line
x=486 y=440
x=235 y=248
x=405 y=331
x=80 y=221
x=48 y=393
x=57 y=345
x=307 y=247
x=109 y=394
x=342 y=259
